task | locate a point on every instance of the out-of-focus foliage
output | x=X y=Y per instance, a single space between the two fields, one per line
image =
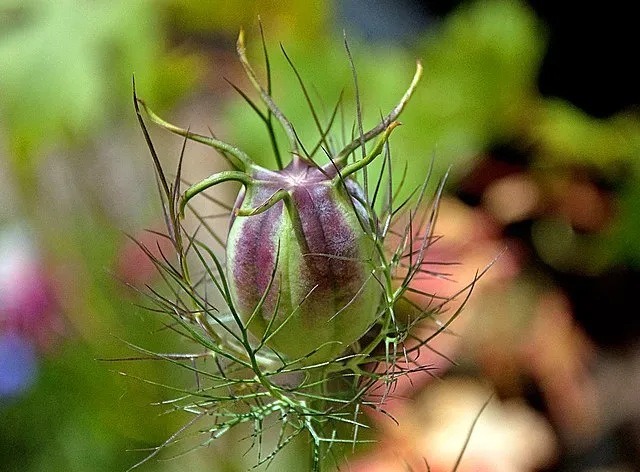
x=566 y=136
x=483 y=66
x=294 y=18
x=66 y=72
x=67 y=66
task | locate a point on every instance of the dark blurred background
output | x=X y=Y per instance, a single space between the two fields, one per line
x=532 y=105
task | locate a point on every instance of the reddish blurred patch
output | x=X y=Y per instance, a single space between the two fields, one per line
x=134 y=266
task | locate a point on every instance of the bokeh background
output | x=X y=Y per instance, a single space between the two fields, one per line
x=533 y=106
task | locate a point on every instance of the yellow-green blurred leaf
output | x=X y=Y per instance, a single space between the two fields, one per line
x=67 y=67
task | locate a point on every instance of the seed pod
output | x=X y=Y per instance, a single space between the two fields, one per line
x=323 y=296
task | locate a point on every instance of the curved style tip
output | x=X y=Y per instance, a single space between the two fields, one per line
x=240 y=42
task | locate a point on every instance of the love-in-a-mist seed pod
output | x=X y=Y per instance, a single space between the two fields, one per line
x=323 y=290
x=301 y=256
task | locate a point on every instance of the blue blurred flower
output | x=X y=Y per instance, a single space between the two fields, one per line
x=18 y=365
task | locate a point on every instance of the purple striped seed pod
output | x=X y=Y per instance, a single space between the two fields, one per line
x=323 y=296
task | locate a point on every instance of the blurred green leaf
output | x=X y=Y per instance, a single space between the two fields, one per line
x=301 y=18
x=566 y=134
x=67 y=67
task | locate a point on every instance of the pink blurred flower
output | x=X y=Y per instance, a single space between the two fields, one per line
x=133 y=265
